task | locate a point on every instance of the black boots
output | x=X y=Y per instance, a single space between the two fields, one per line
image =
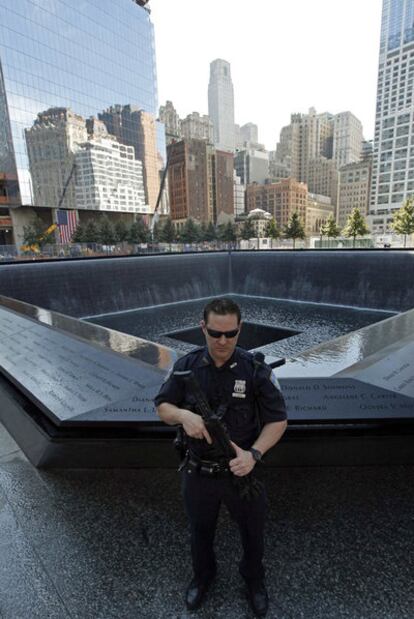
x=258 y=598
x=196 y=591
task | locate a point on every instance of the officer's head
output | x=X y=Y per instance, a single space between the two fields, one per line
x=221 y=326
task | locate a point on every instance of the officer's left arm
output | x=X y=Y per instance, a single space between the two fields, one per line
x=273 y=416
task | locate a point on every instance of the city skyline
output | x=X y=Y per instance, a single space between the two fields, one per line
x=334 y=69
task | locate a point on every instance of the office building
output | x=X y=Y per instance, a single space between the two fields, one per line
x=393 y=161
x=168 y=115
x=67 y=55
x=354 y=190
x=221 y=104
x=318 y=209
x=280 y=199
x=347 y=139
x=197 y=126
x=252 y=166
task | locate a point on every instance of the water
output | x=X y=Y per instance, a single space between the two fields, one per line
x=316 y=323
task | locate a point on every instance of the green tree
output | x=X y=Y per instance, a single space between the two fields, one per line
x=36 y=233
x=138 y=232
x=248 y=231
x=168 y=233
x=403 y=220
x=211 y=233
x=79 y=234
x=228 y=232
x=121 y=231
x=355 y=226
x=91 y=234
x=294 y=228
x=156 y=232
x=190 y=232
x=272 y=231
x=330 y=229
x=106 y=231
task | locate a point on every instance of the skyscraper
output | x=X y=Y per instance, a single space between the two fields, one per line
x=81 y=57
x=393 y=163
x=221 y=104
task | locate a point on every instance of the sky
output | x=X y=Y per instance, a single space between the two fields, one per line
x=286 y=56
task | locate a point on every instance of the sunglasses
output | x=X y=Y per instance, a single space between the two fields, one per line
x=217 y=334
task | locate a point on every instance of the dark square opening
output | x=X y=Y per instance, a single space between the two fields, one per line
x=253 y=335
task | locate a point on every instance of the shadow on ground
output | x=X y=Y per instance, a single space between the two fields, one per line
x=113 y=544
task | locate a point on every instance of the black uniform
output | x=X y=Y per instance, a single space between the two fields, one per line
x=236 y=386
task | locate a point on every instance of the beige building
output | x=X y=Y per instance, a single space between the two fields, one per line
x=51 y=145
x=169 y=116
x=198 y=127
x=280 y=199
x=259 y=219
x=318 y=209
x=347 y=139
x=323 y=178
x=354 y=190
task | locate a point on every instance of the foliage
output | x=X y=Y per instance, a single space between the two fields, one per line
x=121 y=231
x=294 y=228
x=36 y=233
x=211 y=233
x=138 y=232
x=79 y=234
x=330 y=229
x=227 y=232
x=91 y=233
x=190 y=231
x=272 y=231
x=403 y=220
x=355 y=226
x=248 y=231
x=168 y=233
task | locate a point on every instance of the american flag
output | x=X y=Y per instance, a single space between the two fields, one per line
x=66 y=221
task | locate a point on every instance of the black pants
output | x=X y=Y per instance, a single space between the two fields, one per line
x=202 y=499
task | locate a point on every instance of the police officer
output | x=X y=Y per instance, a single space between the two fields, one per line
x=242 y=391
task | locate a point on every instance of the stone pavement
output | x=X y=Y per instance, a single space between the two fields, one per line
x=113 y=544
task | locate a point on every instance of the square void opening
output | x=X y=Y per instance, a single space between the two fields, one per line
x=252 y=335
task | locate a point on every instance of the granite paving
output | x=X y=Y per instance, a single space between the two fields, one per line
x=113 y=544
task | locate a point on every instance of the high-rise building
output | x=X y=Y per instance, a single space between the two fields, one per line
x=393 y=162
x=314 y=146
x=249 y=133
x=252 y=166
x=51 y=145
x=200 y=180
x=347 y=139
x=109 y=177
x=239 y=196
x=221 y=104
x=169 y=116
x=137 y=128
x=78 y=56
x=198 y=127
x=354 y=190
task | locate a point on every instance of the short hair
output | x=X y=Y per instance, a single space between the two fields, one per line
x=222 y=306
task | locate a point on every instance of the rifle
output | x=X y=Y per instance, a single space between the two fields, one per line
x=248 y=486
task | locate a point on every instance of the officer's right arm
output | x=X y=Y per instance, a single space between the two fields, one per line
x=167 y=404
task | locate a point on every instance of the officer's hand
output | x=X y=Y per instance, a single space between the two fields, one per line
x=194 y=426
x=243 y=463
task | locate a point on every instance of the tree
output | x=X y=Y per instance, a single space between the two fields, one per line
x=106 y=231
x=79 y=234
x=355 y=226
x=91 y=234
x=190 y=232
x=211 y=233
x=168 y=233
x=37 y=233
x=228 y=232
x=248 y=231
x=330 y=229
x=121 y=231
x=272 y=231
x=403 y=220
x=138 y=232
x=294 y=228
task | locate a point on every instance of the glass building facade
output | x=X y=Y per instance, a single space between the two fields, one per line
x=393 y=163
x=65 y=62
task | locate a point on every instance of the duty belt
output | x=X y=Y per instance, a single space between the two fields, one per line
x=207 y=468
